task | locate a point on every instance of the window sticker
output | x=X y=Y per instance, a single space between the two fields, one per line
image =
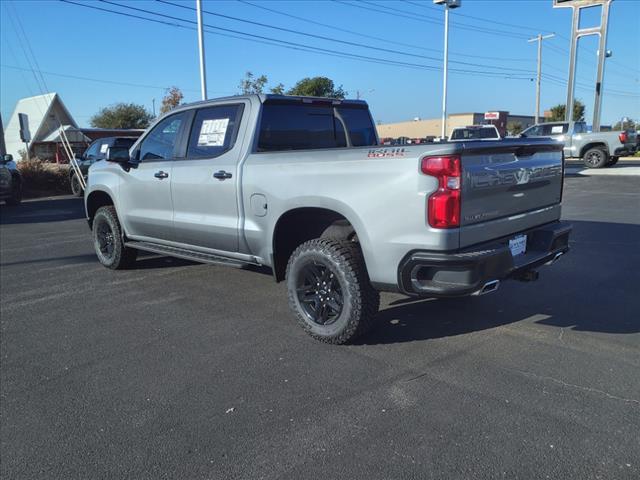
x=556 y=129
x=104 y=147
x=212 y=132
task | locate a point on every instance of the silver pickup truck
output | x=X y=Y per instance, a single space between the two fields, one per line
x=301 y=185
x=595 y=149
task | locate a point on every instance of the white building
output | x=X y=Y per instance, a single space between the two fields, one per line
x=46 y=113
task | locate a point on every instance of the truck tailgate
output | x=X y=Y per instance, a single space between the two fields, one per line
x=509 y=186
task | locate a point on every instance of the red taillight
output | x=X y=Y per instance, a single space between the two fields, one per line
x=443 y=210
x=623 y=137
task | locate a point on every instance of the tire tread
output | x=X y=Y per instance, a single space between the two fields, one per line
x=366 y=298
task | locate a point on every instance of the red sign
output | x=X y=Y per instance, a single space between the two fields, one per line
x=492 y=115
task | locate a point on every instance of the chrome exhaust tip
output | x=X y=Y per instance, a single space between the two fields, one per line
x=488 y=287
x=555 y=258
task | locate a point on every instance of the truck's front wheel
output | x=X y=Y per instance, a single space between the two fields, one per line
x=329 y=290
x=108 y=241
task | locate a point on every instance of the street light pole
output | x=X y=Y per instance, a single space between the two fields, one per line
x=446 y=68
x=203 y=74
x=448 y=4
x=539 y=38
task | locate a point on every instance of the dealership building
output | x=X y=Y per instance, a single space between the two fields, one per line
x=419 y=128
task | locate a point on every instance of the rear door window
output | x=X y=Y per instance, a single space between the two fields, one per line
x=580 y=127
x=214 y=131
x=296 y=126
x=299 y=127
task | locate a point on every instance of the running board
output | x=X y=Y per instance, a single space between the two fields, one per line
x=186 y=254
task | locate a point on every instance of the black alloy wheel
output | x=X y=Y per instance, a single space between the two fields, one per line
x=105 y=239
x=595 y=158
x=108 y=240
x=329 y=290
x=319 y=293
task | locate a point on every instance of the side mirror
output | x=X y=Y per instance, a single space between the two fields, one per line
x=7 y=158
x=118 y=155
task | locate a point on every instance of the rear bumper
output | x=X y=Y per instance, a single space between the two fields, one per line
x=624 y=151
x=467 y=271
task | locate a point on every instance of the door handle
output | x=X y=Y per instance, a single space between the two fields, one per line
x=222 y=175
x=161 y=174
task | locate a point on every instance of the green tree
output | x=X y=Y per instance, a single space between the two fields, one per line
x=514 y=128
x=317 y=87
x=171 y=100
x=557 y=112
x=122 y=115
x=252 y=84
x=629 y=124
x=278 y=89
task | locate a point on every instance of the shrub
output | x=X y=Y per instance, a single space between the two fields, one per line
x=40 y=178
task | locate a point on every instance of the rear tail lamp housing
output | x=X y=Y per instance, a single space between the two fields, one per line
x=623 y=137
x=443 y=205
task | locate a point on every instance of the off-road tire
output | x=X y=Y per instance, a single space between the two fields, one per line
x=120 y=257
x=16 y=195
x=360 y=301
x=595 y=157
x=76 y=188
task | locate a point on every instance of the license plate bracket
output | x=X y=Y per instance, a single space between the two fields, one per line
x=518 y=245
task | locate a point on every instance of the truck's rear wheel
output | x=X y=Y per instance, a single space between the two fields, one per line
x=329 y=290
x=595 y=157
x=108 y=241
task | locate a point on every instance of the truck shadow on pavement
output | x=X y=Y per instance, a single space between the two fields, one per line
x=595 y=288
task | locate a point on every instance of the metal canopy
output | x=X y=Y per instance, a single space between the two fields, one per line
x=576 y=33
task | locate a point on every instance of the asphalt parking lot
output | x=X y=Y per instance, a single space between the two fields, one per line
x=186 y=371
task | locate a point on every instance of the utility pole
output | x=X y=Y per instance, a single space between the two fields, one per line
x=539 y=38
x=448 y=4
x=203 y=74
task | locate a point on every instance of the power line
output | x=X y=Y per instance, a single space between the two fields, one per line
x=298 y=46
x=28 y=43
x=364 y=35
x=98 y=80
x=21 y=42
x=491 y=21
x=322 y=37
x=431 y=20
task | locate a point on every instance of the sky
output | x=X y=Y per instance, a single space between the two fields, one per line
x=388 y=52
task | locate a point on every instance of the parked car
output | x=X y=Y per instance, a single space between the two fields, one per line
x=595 y=149
x=10 y=181
x=97 y=150
x=474 y=132
x=300 y=185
